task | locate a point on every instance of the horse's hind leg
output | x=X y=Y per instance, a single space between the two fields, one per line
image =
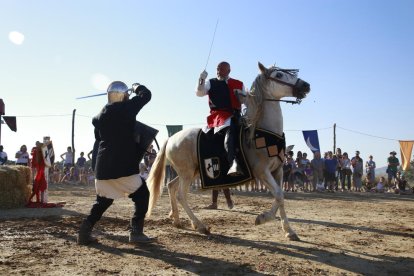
x=183 y=187
x=172 y=190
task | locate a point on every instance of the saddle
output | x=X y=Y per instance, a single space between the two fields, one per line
x=212 y=157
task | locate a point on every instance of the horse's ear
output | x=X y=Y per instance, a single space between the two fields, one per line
x=262 y=68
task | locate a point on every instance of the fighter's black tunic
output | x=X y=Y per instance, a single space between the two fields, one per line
x=117 y=154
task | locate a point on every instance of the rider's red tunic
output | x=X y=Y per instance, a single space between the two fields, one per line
x=223 y=101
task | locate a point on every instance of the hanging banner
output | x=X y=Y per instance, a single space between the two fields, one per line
x=312 y=140
x=11 y=122
x=406 y=148
x=2 y=108
x=172 y=129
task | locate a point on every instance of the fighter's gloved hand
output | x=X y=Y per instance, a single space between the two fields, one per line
x=139 y=89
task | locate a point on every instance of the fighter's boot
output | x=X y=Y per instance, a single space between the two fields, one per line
x=84 y=234
x=137 y=232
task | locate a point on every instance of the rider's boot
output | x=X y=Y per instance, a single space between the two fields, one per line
x=235 y=169
x=231 y=156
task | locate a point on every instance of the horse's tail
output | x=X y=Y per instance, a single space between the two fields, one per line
x=156 y=177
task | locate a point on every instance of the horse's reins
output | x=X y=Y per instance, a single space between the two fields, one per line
x=298 y=101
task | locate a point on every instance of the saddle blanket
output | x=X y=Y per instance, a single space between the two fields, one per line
x=212 y=157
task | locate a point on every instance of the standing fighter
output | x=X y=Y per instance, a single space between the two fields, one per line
x=117 y=161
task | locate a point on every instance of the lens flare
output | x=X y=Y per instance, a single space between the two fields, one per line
x=100 y=81
x=16 y=37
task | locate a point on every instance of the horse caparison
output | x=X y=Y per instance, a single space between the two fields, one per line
x=263 y=111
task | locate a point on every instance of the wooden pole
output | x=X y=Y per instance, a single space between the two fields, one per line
x=73 y=136
x=334 y=138
x=2 y=112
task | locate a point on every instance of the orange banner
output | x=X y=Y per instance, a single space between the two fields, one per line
x=406 y=148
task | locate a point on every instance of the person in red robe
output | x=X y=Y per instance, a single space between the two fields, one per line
x=39 y=181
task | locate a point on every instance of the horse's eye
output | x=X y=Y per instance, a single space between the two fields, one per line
x=279 y=75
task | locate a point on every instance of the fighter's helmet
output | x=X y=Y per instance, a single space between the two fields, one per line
x=117 y=91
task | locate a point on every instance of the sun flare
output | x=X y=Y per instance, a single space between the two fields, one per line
x=16 y=37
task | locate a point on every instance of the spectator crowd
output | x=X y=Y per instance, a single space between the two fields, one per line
x=332 y=172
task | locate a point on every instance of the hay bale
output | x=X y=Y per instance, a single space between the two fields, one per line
x=15 y=186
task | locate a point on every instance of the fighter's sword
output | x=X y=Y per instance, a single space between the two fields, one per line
x=130 y=90
x=96 y=95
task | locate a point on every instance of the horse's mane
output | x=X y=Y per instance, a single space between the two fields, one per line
x=255 y=103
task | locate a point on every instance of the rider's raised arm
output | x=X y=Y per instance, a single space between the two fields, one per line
x=203 y=85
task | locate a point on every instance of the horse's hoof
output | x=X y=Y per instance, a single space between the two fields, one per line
x=259 y=219
x=293 y=237
x=204 y=230
x=171 y=214
x=177 y=224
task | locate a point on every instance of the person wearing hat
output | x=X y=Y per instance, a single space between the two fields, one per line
x=392 y=168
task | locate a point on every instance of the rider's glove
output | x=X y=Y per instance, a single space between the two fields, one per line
x=203 y=75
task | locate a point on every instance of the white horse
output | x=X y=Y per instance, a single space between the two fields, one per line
x=263 y=111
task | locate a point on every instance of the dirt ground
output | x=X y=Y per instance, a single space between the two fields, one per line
x=341 y=234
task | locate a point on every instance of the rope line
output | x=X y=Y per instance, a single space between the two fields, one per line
x=366 y=134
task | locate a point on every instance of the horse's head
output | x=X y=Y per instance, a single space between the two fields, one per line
x=281 y=83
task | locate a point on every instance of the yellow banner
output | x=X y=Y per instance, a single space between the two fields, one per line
x=406 y=148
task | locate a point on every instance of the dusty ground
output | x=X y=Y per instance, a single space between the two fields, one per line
x=341 y=233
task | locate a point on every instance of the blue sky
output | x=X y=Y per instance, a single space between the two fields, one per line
x=357 y=56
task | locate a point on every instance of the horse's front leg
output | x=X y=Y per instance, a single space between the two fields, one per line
x=184 y=184
x=279 y=203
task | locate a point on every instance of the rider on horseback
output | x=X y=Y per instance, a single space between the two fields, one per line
x=224 y=108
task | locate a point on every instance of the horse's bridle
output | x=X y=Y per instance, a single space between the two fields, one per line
x=295 y=87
